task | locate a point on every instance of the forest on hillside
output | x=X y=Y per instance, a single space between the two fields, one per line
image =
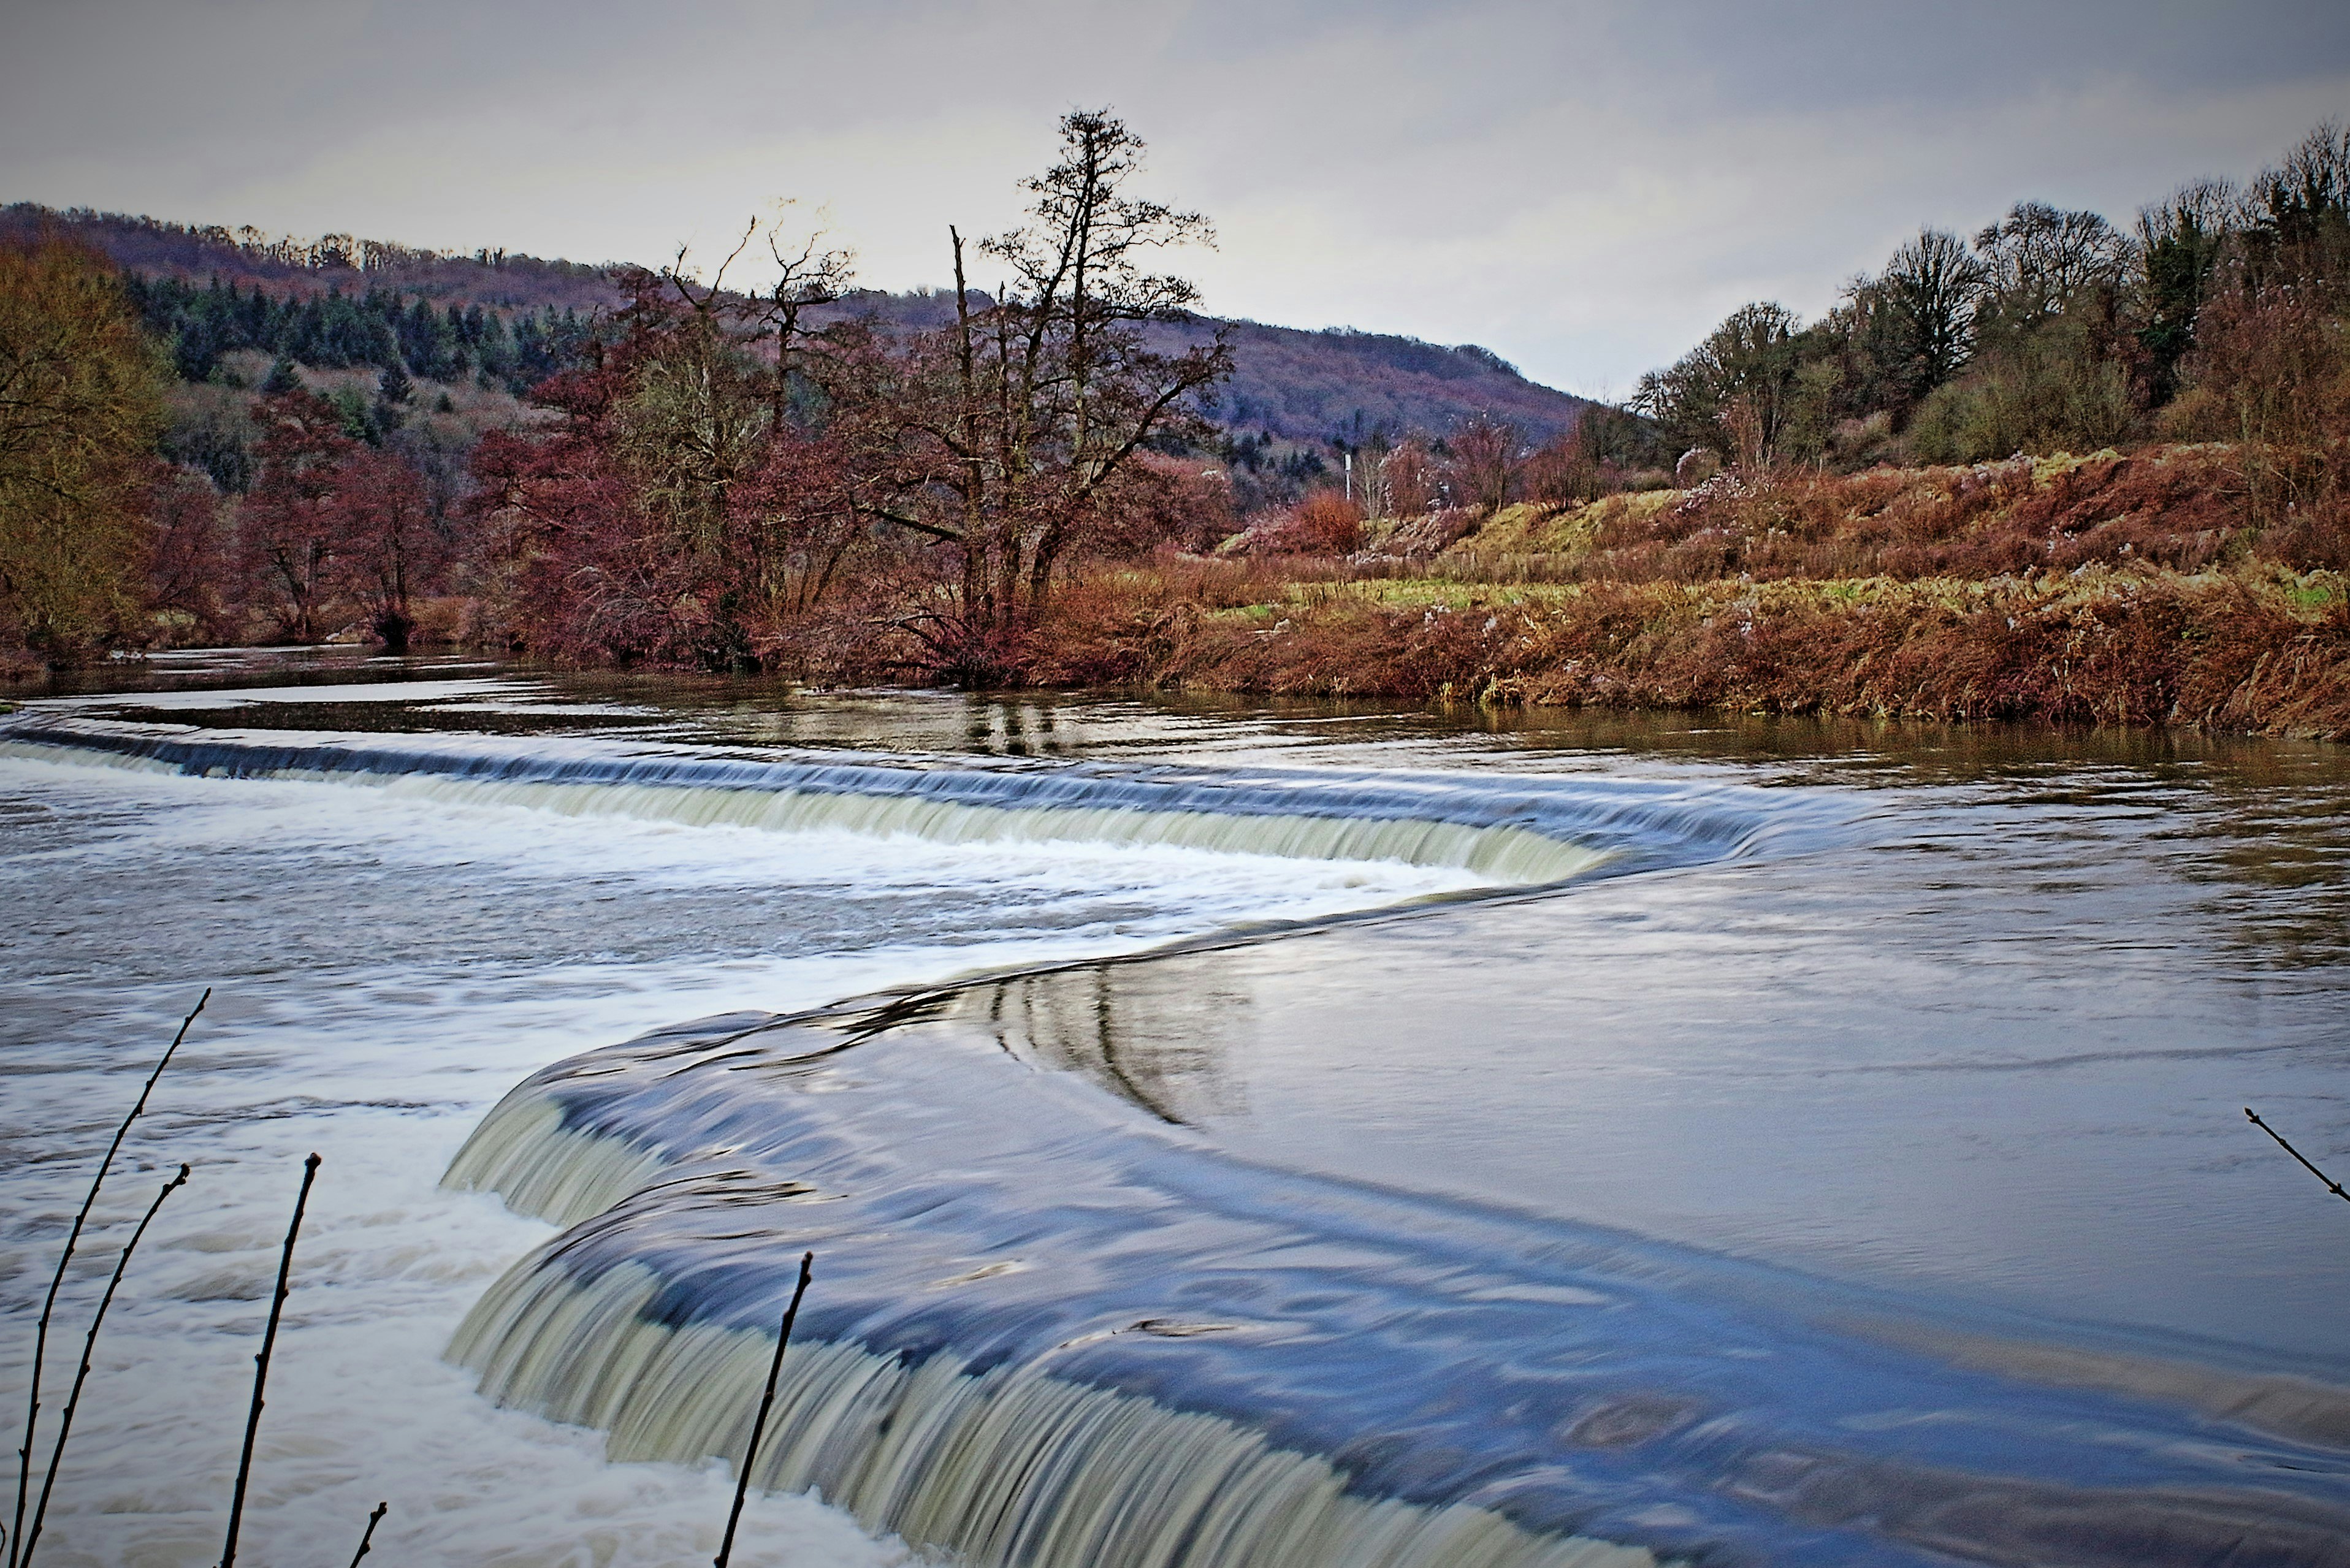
x=1050 y=482
x=341 y=302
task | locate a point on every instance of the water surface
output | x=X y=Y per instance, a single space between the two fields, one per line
x=1946 y=1032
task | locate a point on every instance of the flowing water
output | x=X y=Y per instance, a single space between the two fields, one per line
x=1228 y=1134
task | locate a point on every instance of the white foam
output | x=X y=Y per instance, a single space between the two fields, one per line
x=384 y=1065
x=353 y=691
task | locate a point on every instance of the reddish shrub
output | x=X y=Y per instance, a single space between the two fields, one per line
x=1324 y=523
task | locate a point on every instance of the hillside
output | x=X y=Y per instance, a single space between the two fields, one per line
x=492 y=279
x=1313 y=386
x=1299 y=387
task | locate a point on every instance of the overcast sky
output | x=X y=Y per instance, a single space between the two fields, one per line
x=1584 y=188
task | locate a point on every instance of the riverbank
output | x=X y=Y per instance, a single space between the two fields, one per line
x=2105 y=590
x=2219 y=652
x=2197 y=586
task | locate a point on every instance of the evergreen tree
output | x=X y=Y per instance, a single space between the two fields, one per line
x=197 y=345
x=382 y=329
x=2179 y=245
x=352 y=410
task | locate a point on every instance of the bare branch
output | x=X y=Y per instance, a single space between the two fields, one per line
x=17 y=1550
x=2331 y=1185
x=261 y=1365
x=88 y=1346
x=767 y=1403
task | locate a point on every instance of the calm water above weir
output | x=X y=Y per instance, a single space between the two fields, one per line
x=1546 y=1139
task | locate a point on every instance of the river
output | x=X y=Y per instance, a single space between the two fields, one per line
x=1228 y=1132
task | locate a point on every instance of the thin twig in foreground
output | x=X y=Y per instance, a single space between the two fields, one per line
x=367 y=1542
x=766 y=1402
x=2331 y=1185
x=16 y=1549
x=261 y=1365
x=88 y=1346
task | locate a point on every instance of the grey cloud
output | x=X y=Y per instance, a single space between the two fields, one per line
x=1584 y=187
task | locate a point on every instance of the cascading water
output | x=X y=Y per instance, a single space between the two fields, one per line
x=1523 y=833
x=1243 y=1250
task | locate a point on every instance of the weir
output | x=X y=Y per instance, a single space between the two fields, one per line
x=1257 y=1250
x=1530 y=831
x=1048 y=1330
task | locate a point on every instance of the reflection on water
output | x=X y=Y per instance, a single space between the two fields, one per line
x=1159 y=1035
x=2002 y=1047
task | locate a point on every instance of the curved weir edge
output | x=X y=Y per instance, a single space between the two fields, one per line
x=592 y=1328
x=1509 y=831
x=1004 y=1465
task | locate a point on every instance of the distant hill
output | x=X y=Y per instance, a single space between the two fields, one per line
x=492 y=279
x=1340 y=383
x=1296 y=386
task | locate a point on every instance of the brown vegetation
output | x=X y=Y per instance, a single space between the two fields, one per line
x=1324 y=523
x=2215 y=652
x=2174 y=509
x=2109 y=590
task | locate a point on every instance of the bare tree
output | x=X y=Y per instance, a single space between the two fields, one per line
x=289 y=527
x=2301 y=210
x=1933 y=285
x=1488 y=455
x=1911 y=328
x=1409 y=477
x=695 y=425
x=715 y=433
x=1729 y=393
x=807 y=274
x=2038 y=260
x=1040 y=398
x=387 y=551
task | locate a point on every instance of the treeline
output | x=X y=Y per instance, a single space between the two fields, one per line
x=732 y=485
x=2217 y=316
x=382 y=329
x=2222 y=314
x=106 y=544
x=139 y=508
